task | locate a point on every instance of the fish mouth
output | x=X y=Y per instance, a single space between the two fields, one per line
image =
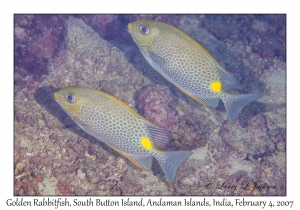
x=56 y=96
x=129 y=27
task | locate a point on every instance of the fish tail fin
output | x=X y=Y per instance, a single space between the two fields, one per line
x=235 y=103
x=170 y=162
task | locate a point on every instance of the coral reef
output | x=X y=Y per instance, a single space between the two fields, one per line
x=53 y=156
x=251 y=140
x=190 y=134
x=107 y=25
x=154 y=103
x=170 y=19
x=265 y=34
x=38 y=39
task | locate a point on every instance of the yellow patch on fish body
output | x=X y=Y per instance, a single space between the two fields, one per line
x=216 y=86
x=120 y=127
x=186 y=64
x=146 y=143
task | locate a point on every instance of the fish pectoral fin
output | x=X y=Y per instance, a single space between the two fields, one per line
x=76 y=119
x=144 y=162
x=159 y=136
x=82 y=125
x=144 y=50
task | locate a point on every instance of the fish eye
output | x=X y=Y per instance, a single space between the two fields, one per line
x=70 y=98
x=144 y=29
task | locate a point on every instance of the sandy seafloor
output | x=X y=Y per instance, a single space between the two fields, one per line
x=53 y=156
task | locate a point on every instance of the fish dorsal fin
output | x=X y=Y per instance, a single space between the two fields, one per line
x=229 y=82
x=144 y=162
x=159 y=136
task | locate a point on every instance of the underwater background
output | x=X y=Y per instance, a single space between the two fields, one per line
x=53 y=156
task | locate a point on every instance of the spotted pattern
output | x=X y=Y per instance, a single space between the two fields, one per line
x=120 y=127
x=112 y=123
x=182 y=61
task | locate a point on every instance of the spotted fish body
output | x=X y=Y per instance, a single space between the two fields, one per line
x=120 y=127
x=186 y=64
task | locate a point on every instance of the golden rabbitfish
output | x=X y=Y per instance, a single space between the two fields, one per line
x=120 y=127
x=186 y=64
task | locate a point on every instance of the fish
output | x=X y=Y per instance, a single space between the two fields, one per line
x=186 y=64
x=120 y=127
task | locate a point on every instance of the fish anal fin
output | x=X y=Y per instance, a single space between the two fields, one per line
x=210 y=102
x=192 y=96
x=142 y=161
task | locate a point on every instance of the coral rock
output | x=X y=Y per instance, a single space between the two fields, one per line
x=154 y=102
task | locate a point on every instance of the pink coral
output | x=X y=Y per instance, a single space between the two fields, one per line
x=37 y=39
x=63 y=188
x=154 y=102
x=39 y=160
x=101 y=21
x=109 y=26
